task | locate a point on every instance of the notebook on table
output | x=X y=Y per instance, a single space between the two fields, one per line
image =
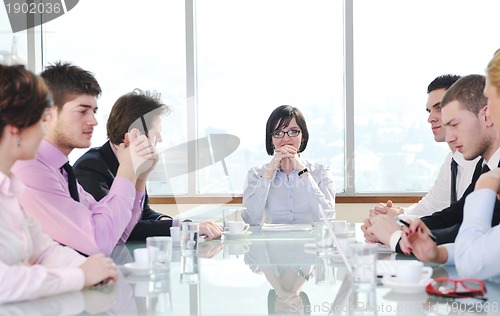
x=286 y=227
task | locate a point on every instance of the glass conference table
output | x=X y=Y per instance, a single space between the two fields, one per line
x=264 y=273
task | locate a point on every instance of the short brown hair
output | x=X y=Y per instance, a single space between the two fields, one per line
x=67 y=81
x=131 y=107
x=468 y=90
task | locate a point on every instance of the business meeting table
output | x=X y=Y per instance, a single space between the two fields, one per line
x=258 y=273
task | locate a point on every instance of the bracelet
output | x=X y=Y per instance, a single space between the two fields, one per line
x=303 y=171
x=301 y=274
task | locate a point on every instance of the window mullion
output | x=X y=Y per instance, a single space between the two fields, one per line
x=349 y=178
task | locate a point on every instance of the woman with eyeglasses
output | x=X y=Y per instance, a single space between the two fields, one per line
x=475 y=252
x=32 y=265
x=288 y=189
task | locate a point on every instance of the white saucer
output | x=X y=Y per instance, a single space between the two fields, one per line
x=134 y=269
x=407 y=298
x=230 y=235
x=392 y=282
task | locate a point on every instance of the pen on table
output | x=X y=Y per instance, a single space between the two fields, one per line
x=408 y=225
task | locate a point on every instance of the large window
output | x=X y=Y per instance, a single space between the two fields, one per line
x=224 y=65
x=399 y=48
x=258 y=55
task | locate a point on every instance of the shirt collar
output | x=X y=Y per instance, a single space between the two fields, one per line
x=10 y=186
x=51 y=155
x=459 y=158
x=494 y=160
x=113 y=148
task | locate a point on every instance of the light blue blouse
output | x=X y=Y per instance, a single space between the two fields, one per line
x=288 y=199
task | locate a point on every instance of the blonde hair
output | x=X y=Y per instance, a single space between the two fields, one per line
x=493 y=70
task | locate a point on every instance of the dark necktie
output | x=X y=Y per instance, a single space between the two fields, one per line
x=71 y=182
x=453 y=187
x=485 y=168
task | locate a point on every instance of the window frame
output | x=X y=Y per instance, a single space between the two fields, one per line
x=36 y=60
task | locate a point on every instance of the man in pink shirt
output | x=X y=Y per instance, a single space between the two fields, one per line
x=69 y=214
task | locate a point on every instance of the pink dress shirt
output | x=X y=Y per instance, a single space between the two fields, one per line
x=87 y=226
x=32 y=265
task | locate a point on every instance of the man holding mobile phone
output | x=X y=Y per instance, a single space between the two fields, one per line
x=137 y=113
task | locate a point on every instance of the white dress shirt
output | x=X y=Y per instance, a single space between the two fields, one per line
x=32 y=265
x=475 y=252
x=438 y=197
x=288 y=199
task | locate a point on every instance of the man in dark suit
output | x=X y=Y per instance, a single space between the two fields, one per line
x=135 y=112
x=470 y=130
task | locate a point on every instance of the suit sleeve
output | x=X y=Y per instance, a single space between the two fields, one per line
x=94 y=176
x=448 y=217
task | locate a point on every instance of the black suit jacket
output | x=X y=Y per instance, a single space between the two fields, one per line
x=446 y=223
x=96 y=170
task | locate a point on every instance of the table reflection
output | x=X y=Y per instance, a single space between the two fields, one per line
x=263 y=274
x=287 y=279
x=114 y=298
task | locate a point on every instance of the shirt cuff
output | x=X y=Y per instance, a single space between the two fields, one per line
x=393 y=241
x=451 y=253
x=163 y=216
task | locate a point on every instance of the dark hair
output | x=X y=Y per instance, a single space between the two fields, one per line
x=129 y=110
x=442 y=82
x=283 y=115
x=67 y=81
x=23 y=97
x=468 y=90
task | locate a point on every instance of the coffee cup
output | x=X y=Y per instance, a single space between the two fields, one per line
x=175 y=233
x=141 y=257
x=411 y=271
x=237 y=227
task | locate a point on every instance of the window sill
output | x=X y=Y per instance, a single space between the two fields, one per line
x=237 y=200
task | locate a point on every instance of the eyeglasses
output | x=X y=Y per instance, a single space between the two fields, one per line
x=291 y=133
x=457 y=288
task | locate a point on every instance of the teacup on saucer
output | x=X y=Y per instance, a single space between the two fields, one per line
x=411 y=272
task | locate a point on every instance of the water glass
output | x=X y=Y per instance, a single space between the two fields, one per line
x=189 y=237
x=363 y=263
x=160 y=256
x=324 y=238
